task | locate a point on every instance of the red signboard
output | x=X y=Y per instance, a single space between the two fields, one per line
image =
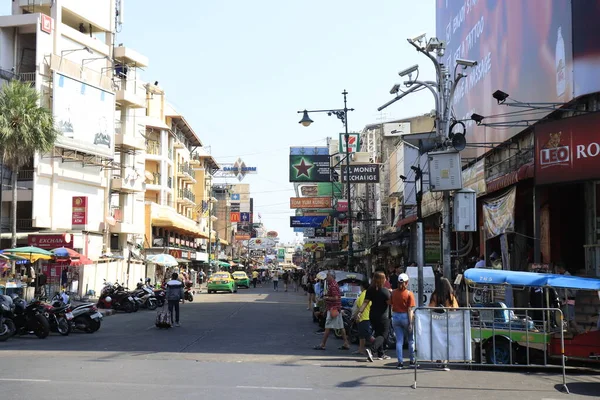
x=175 y=253
x=46 y=24
x=80 y=208
x=568 y=150
x=234 y=217
x=50 y=242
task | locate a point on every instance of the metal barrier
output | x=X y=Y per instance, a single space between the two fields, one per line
x=506 y=337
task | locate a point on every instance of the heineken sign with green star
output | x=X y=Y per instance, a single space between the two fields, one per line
x=309 y=168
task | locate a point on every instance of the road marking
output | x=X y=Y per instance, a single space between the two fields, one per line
x=24 y=380
x=272 y=388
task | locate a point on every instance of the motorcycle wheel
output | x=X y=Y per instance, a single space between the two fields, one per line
x=7 y=329
x=152 y=305
x=136 y=306
x=128 y=307
x=189 y=297
x=42 y=329
x=93 y=326
x=63 y=326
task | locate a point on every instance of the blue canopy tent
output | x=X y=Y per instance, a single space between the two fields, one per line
x=482 y=276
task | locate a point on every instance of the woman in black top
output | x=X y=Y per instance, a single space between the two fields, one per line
x=379 y=298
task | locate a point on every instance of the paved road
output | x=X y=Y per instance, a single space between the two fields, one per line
x=252 y=345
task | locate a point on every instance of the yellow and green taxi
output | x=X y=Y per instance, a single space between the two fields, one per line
x=221 y=282
x=241 y=279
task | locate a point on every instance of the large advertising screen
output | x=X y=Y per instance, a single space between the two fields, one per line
x=84 y=115
x=523 y=48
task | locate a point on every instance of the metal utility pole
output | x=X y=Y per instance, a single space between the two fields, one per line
x=420 y=234
x=443 y=92
x=341 y=114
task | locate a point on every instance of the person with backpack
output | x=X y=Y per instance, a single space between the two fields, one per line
x=174 y=296
x=403 y=304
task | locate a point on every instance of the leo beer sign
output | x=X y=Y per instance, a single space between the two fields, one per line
x=79 y=210
x=568 y=150
x=49 y=242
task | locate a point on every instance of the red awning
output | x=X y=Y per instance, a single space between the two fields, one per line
x=526 y=171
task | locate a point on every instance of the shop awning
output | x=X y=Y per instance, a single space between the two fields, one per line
x=526 y=171
x=183 y=261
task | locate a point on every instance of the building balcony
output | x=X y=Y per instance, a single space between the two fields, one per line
x=23 y=224
x=129 y=95
x=186 y=196
x=127 y=184
x=186 y=172
x=153 y=183
x=129 y=56
x=129 y=138
x=170 y=182
x=127 y=227
x=167 y=217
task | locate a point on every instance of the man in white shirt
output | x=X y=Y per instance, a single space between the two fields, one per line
x=480 y=262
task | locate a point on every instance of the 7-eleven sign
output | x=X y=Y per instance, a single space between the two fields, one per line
x=353 y=142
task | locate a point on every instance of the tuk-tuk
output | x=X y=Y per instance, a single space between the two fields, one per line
x=515 y=332
x=349 y=283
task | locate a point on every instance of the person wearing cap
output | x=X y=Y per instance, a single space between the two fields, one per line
x=403 y=303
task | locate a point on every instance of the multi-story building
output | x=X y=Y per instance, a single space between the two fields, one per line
x=177 y=172
x=66 y=50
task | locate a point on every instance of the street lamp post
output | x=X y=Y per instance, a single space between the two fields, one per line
x=342 y=114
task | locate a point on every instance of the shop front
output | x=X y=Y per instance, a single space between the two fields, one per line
x=567 y=186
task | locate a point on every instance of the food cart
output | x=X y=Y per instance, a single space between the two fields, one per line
x=512 y=334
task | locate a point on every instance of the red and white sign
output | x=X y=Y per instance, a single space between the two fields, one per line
x=568 y=150
x=50 y=242
x=80 y=209
x=46 y=24
x=342 y=205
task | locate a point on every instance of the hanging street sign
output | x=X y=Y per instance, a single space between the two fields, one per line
x=353 y=143
x=362 y=173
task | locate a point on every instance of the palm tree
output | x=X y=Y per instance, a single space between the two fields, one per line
x=25 y=129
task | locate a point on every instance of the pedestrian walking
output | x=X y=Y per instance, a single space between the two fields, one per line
x=310 y=288
x=254 y=278
x=286 y=280
x=378 y=297
x=365 y=333
x=275 y=279
x=443 y=297
x=403 y=303
x=174 y=296
x=334 y=320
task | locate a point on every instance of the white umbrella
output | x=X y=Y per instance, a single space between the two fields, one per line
x=165 y=260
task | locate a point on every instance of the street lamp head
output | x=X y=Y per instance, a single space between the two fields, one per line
x=395 y=89
x=500 y=96
x=409 y=70
x=477 y=118
x=305 y=121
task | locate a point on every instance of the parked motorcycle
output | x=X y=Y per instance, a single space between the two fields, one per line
x=146 y=296
x=114 y=297
x=7 y=326
x=86 y=317
x=30 y=318
x=58 y=316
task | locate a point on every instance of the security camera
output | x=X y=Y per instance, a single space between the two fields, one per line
x=418 y=38
x=409 y=70
x=466 y=63
x=395 y=89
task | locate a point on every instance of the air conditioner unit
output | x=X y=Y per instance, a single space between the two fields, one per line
x=392 y=129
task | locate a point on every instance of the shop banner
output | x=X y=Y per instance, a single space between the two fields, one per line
x=310 y=168
x=364 y=173
x=568 y=150
x=443 y=336
x=311 y=222
x=474 y=177
x=523 y=48
x=314 y=247
x=499 y=214
x=310 y=202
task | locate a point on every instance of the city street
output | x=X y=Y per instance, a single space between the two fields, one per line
x=255 y=344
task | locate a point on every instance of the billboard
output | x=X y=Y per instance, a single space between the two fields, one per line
x=311 y=222
x=361 y=173
x=586 y=47
x=321 y=189
x=84 y=116
x=523 y=48
x=568 y=150
x=310 y=168
x=310 y=202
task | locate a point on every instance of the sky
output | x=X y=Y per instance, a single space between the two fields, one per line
x=240 y=70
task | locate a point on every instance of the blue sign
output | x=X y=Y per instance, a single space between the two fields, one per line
x=245 y=217
x=299 y=230
x=313 y=151
x=310 y=222
x=235 y=196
